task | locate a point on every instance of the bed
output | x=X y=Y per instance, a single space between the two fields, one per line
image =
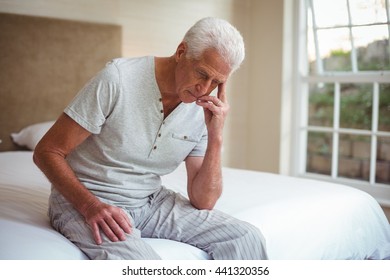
x=301 y=219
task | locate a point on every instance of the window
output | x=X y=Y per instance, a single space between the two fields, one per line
x=344 y=92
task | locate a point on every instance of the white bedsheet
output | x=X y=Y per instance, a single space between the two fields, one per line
x=25 y=231
x=300 y=219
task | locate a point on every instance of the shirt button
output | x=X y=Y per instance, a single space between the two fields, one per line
x=155 y=147
x=185 y=137
x=160 y=99
x=162 y=111
x=159 y=135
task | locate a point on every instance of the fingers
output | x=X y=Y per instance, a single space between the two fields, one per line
x=112 y=221
x=113 y=230
x=212 y=103
x=220 y=100
x=96 y=233
x=124 y=222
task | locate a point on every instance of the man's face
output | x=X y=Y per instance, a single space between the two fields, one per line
x=196 y=78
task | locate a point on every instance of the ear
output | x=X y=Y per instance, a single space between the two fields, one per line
x=181 y=50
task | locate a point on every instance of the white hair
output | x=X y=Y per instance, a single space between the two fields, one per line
x=218 y=34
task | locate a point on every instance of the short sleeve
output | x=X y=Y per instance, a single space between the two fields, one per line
x=200 y=149
x=95 y=101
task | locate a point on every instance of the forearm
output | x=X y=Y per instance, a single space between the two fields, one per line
x=54 y=165
x=206 y=186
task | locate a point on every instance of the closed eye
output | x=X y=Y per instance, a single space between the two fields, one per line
x=203 y=75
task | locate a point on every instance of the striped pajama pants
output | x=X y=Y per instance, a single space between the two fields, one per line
x=168 y=215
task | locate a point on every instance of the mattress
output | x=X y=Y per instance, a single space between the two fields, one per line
x=301 y=219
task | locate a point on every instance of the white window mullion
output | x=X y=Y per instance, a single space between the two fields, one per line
x=303 y=133
x=353 y=49
x=388 y=20
x=356 y=78
x=336 y=126
x=319 y=65
x=350 y=131
x=301 y=98
x=374 y=128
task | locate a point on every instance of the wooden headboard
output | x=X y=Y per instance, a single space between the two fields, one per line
x=44 y=62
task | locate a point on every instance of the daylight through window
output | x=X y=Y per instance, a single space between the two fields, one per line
x=345 y=94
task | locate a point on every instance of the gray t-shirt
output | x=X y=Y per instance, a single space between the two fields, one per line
x=131 y=144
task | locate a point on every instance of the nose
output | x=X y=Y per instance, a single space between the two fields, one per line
x=203 y=87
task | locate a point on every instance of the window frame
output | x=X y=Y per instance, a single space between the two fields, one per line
x=301 y=128
x=350 y=26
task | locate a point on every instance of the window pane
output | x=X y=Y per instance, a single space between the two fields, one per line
x=330 y=12
x=356 y=106
x=383 y=161
x=321 y=99
x=335 y=49
x=354 y=157
x=384 y=108
x=367 y=11
x=372 y=43
x=319 y=153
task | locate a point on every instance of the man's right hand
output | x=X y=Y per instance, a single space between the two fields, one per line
x=112 y=220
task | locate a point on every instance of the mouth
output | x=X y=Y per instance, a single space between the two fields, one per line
x=192 y=95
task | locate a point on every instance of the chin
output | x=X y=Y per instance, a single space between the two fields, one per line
x=187 y=101
x=187 y=97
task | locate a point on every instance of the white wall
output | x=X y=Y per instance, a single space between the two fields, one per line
x=155 y=27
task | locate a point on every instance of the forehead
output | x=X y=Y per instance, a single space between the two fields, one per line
x=214 y=64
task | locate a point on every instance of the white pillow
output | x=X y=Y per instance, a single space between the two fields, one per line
x=30 y=135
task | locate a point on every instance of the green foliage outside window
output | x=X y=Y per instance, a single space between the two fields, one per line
x=355 y=100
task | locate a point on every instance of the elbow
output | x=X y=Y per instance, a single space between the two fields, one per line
x=204 y=194
x=43 y=154
x=203 y=206
x=37 y=156
x=207 y=207
x=205 y=203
